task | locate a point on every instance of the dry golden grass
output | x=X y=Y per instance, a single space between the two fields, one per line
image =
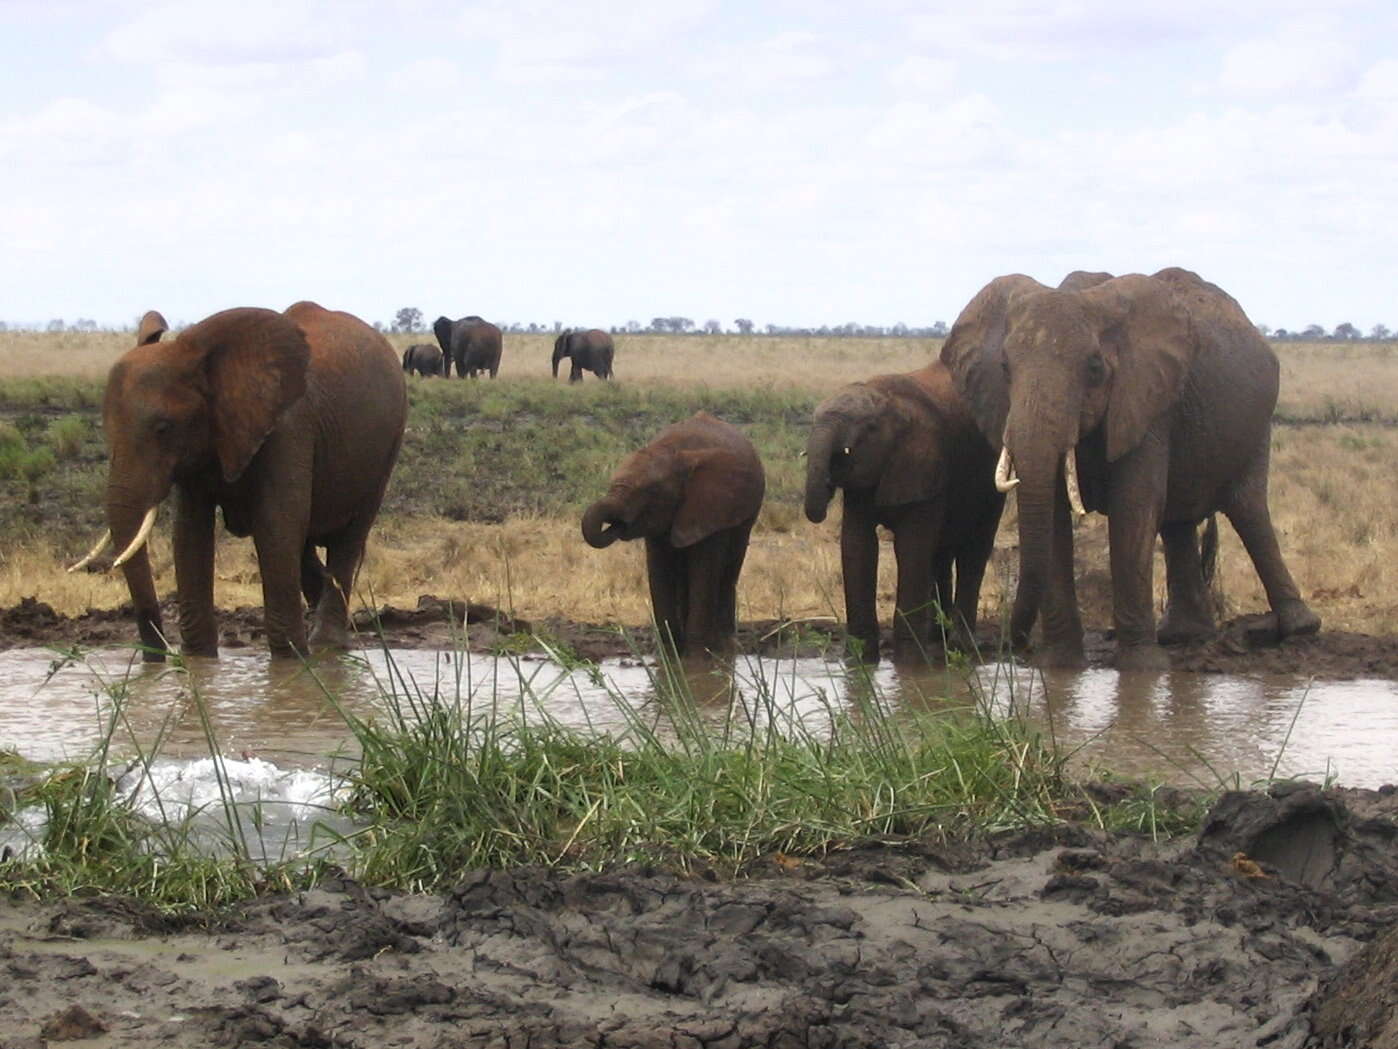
x=1330 y=494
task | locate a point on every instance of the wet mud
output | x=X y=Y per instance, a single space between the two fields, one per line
x=1272 y=926
x=1245 y=645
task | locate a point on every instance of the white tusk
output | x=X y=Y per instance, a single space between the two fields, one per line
x=1005 y=478
x=147 y=523
x=1070 y=478
x=101 y=545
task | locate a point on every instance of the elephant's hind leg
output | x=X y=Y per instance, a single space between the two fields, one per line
x=331 y=627
x=1188 y=615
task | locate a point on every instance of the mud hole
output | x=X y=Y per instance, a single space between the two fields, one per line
x=1270 y=927
x=1245 y=645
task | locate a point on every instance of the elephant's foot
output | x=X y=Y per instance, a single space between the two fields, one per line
x=1295 y=619
x=1068 y=656
x=1182 y=628
x=862 y=648
x=1145 y=656
x=328 y=635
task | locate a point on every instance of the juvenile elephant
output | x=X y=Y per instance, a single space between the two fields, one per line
x=589 y=350
x=692 y=494
x=908 y=456
x=472 y=343
x=1148 y=399
x=288 y=422
x=423 y=358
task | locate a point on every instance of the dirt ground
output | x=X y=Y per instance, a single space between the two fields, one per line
x=1245 y=645
x=1264 y=929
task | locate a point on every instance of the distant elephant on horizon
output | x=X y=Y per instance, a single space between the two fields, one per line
x=693 y=494
x=422 y=358
x=471 y=342
x=589 y=350
x=908 y=455
x=290 y=424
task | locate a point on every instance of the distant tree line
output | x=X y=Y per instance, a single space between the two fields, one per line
x=1345 y=332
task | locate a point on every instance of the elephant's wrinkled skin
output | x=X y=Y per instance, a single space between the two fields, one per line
x=908 y=456
x=1158 y=391
x=423 y=358
x=288 y=422
x=589 y=350
x=692 y=494
x=471 y=343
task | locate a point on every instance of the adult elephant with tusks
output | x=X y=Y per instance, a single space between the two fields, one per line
x=422 y=358
x=692 y=494
x=471 y=343
x=908 y=456
x=590 y=350
x=290 y=423
x=1148 y=399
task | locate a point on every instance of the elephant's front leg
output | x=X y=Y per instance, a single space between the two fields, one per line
x=914 y=542
x=194 y=572
x=279 y=535
x=859 y=565
x=664 y=566
x=1135 y=505
x=712 y=566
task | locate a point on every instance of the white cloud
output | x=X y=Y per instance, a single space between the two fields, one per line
x=1303 y=56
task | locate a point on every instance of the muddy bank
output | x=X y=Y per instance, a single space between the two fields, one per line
x=1245 y=645
x=1240 y=936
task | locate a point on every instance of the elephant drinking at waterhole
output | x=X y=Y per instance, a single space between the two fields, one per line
x=1148 y=399
x=908 y=456
x=290 y=423
x=692 y=494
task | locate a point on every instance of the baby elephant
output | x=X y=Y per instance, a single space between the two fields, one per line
x=909 y=457
x=692 y=494
x=423 y=358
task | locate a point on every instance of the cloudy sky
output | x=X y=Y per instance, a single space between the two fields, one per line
x=598 y=161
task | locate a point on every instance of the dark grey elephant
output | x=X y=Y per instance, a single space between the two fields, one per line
x=1148 y=399
x=471 y=343
x=423 y=358
x=589 y=350
x=908 y=456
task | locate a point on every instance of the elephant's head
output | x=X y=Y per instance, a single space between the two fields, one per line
x=441 y=328
x=681 y=494
x=196 y=408
x=560 y=348
x=1045 y=369
x=863 y=438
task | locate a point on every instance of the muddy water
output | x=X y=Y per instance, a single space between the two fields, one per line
x=1186 y=729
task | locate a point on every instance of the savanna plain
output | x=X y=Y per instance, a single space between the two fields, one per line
x=896 y=882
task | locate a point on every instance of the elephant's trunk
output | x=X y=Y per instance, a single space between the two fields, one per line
x=819 y=448
x=600 y=524
x=127 y=522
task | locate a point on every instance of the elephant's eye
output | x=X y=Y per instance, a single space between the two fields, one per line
x=161 y=427
x=1096 y=370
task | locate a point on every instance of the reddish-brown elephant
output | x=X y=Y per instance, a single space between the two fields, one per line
x=692 y=494
x=1148 y=399
x=908 y=456
x=290 y=423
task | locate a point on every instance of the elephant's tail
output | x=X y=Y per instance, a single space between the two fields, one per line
x=1208 y=552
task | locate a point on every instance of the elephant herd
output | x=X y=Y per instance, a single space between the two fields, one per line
x=473 y=345
x=1146 y=398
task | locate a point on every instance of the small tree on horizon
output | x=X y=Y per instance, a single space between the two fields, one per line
x=407 y=320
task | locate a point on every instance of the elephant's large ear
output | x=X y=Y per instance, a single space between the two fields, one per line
x=722 y=492
x=1147 y=325
x=975 y=352
x=255 y=361
x=441 y=328
x=152 y=327
x=911 y=471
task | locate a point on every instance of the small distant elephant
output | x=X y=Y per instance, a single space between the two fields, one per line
x=692 y=494
x=472 y=343
x=590 y=350
x=290 y=423
x=423 y=358
x=907 y=455
x=1148 y=399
